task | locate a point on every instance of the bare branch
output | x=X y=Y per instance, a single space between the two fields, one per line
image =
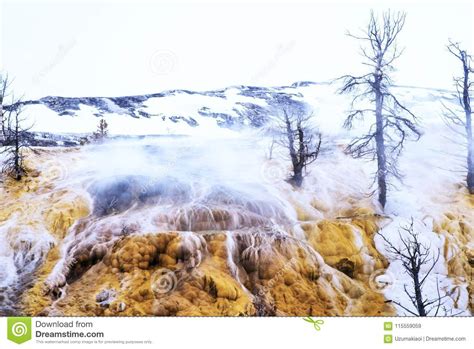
x=300 y=139
x=414 y=255
x=394 y=122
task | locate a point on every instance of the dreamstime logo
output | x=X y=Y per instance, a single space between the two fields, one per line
x=272 y=171
x=281 y=50
x=163 y=62
x=19 y=329
x=61 y=53
x=54 y=171
x=163 y=281
x=288 y=266
x=380 y=280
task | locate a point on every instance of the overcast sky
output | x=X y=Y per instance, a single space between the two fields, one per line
x=103 y=48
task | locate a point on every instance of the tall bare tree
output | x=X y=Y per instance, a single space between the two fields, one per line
x=4 y=93
x=393 y=122
x=415 y=257
x=299 y=138
x=462 y=124
x=15 y=143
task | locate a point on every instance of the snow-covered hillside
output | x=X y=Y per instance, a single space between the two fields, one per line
x=187 y=112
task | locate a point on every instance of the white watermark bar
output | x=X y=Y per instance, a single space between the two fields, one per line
x=238 y=332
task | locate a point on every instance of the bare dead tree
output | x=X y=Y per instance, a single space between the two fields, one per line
x=415 y=256
x=102 y=131
x=394 y=123
x=299 y=138
x=4 y=93
x=462 y=125
x=14 y=137
x=15 y=143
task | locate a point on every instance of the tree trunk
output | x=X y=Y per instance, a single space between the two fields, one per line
x=3 y=136
x=380 y=144
x=17 y=160
x=470 y=154
x=418 y=296
x=470 y=143
x=297 y=178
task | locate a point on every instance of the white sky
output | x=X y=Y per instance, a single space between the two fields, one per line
x=105 y=48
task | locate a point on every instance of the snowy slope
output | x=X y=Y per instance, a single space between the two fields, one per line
x=187 y=113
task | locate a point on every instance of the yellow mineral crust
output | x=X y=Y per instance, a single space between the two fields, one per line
x=215 y=273
x=457 y=226
x=230 y=273
x=35 y=206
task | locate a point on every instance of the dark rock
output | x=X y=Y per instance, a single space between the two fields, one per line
x=346 y=266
